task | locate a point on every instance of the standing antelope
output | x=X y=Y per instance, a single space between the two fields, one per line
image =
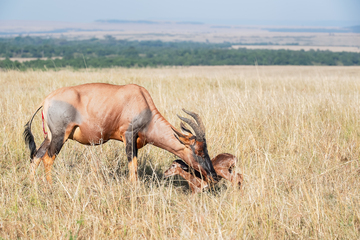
x=94 y=113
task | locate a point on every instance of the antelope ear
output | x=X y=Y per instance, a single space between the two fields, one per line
x=185 y=167
x=183 y=139
x=182 y=164
x=179 y=139
x=179 y=136
x=178 y=133
x=184 y=129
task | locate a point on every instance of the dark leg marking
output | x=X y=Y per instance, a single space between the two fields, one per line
x=56 y=144
x=139 y=123
x=43 y=148
x=60 y=114
x=131 y=148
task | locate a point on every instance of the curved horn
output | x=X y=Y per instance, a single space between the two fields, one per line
x=197 y=119
x=200 y=135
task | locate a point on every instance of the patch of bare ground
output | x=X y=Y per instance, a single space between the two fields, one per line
x=298 y=48
x=30 y=59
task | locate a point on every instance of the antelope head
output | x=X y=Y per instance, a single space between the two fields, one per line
x=175 y=168
x=196 y=142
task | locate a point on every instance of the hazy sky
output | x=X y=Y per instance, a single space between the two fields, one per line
x=278 y=12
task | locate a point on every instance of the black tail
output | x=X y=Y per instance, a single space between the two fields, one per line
x=29 y=137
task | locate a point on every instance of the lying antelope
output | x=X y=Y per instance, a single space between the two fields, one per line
x=95 y=113
x=223 y=164
x=178 y=167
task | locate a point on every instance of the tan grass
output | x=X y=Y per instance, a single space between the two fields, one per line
x=295 y=130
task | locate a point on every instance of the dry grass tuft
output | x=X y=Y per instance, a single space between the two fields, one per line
x=295 y=130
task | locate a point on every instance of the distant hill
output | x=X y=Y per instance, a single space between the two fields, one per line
x=354 y=29
x=192 y=23
x=143 y=22
x=125 y=21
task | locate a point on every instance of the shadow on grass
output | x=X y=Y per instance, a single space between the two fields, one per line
x=148 y=171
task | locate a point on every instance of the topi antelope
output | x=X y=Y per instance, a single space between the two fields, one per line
x=178 y=167
x=95 y=113
x=223 y=164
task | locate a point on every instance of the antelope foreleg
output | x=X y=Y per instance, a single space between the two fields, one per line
x=131 y=153
x=133 y=170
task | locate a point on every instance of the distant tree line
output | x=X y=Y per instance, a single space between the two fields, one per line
x=109 y=52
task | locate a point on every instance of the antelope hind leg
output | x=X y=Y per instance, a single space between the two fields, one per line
x=38 y=157
x=48 y=162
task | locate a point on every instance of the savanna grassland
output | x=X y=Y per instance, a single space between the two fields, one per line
x=295 y=131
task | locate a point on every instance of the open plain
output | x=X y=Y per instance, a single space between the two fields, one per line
x=295 y=131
